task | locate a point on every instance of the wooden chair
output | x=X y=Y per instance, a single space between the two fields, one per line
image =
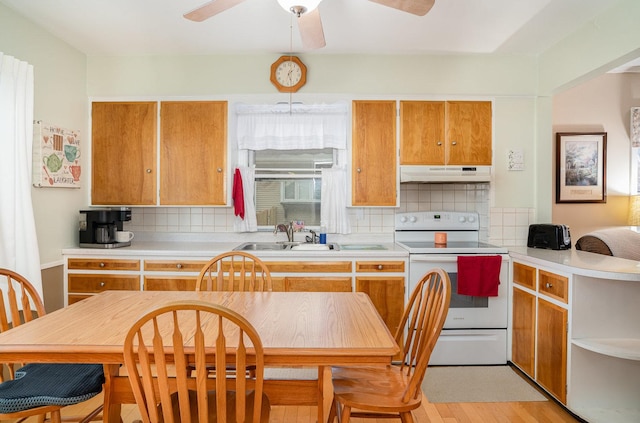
x=234 y=271
x=37 y=389
x=195 y=332
x=395 y=390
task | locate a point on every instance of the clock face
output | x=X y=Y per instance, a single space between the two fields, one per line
x=288 y=73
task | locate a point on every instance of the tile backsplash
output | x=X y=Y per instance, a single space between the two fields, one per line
x=501 y=226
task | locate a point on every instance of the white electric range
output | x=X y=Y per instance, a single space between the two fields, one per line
x=475 y=331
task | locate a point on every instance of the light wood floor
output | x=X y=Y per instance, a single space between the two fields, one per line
x=496 y=412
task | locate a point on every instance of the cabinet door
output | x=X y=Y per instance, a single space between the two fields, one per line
x=193 y=151
x=468 y=132
x=374 y=175
x=387 y=295
x=123 y=153
x=422 y=132
x=317 y=284
x=524 y=321
x=551 y=368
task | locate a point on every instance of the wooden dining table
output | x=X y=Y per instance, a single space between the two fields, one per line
x=297 y=329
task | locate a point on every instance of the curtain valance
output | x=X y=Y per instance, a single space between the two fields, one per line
x=292 y=127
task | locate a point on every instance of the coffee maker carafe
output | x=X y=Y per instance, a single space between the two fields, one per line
x=105 y=233
x=98 y=227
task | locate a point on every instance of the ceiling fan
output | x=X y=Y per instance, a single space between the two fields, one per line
x=309 y=22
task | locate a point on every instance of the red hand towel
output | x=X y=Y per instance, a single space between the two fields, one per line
x=479 y=276
x=238 y=194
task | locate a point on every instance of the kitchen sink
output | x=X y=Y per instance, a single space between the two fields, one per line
x=286 y=246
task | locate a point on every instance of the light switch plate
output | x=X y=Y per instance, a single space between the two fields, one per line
x=515 y=159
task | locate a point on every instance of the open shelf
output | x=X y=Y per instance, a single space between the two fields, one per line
x=626 y=348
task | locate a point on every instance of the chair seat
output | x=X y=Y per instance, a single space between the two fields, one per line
x=39 y=384
x=373 y=388
x=213 y=412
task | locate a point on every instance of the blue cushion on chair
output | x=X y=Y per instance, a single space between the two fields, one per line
x=40 y=384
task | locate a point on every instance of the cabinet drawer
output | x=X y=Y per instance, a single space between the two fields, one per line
x=318 y=284
x=174 y=265
x=170 y=284
x=524 y=275
x=309 y=266
x=103 y=264
x=99 y=283
x=380 y=266
x=76 y=298
x=553 y=285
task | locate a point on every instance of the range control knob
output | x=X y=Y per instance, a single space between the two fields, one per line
x=413 y=219
x=403 y=219
x=471 y=219
x=462 y=219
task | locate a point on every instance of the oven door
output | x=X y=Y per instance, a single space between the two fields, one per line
x=475 y=332
x=465 y=312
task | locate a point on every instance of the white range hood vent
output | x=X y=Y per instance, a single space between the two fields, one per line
x=425 y=174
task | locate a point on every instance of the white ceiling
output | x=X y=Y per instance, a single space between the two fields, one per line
x=156 y=27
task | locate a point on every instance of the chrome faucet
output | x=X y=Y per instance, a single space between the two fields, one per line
x=283 y=228
x=313 y=238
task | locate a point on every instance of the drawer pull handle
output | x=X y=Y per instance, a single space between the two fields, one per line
x=101 y=264
x=179 y=266
x=549 y=285
x=379 y=267
x=102 y=284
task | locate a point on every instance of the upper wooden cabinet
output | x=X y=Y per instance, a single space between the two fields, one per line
x=445 y=132
x=123 y=153
x=193 y=152
x=192 y=146
x=374 y=175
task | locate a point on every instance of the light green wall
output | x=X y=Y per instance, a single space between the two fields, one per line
x=60 y=99
x=611 y=39
x=327 y=74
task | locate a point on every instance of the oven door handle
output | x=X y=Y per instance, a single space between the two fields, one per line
x=432 y=258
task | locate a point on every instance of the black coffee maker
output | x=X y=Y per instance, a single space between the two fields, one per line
x=98 y=227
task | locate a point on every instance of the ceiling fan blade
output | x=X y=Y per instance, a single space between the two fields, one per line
x=210 y=9
x=416 y=7
x=311 y=31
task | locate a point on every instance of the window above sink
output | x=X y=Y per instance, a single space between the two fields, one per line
x=288 y=185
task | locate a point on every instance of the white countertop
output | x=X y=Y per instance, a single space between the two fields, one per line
x=193 y=249
x=580 y=263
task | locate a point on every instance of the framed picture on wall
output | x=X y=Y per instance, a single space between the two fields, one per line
x=581 y=167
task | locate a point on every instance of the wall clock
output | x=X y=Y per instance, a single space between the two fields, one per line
x=288 y=74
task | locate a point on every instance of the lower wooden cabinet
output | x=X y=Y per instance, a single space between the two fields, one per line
x=524 y=331
x=89 y=276
x=551 y=365
x=383 y=280
x=539 y=327
x=171 y=275
x=387 y=294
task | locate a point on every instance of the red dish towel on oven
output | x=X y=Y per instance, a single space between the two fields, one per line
x=479 y=276
x=238 y=194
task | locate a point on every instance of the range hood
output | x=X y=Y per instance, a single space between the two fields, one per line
x=412 y=173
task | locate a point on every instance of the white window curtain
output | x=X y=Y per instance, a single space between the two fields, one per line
x=292 y=127
x=249 y=223
x=333 y=210
x=18 y=240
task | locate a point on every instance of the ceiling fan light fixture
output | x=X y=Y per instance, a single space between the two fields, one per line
x=299 y=6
